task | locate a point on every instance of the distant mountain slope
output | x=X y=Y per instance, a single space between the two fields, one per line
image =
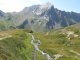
x=39 y=18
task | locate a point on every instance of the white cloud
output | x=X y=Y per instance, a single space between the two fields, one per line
x=11 y=5
x=16 y=5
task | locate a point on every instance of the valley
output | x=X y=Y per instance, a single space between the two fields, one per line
x=40 y=32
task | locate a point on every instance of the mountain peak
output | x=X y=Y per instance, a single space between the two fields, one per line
x=46 y=5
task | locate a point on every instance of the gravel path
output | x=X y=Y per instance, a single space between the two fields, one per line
x=36 y=48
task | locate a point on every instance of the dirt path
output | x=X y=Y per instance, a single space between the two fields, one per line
x=5 y=36
x=36 y=47
x=35 y=54
x=75 y=52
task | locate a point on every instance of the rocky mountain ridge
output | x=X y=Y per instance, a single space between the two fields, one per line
x=39 y=18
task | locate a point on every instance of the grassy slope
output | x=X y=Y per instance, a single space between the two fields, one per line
x=55 y=42
x=17 y=47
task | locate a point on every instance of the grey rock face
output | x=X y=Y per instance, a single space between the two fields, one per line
x=41 y=18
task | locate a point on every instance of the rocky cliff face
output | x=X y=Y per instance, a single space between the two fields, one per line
x=1 y=14
x=41 y=18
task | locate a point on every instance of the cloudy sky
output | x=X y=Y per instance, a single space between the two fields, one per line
x=18 y=5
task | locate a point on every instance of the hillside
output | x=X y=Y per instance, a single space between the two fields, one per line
x=60 y=44
x=15 y=47
x=18 y=46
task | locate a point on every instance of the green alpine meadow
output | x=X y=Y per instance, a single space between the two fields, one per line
x=40 y=32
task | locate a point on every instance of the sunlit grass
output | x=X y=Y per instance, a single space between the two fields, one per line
x=55 y=42
x=18 y=47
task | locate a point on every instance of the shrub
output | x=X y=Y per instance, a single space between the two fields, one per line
x=60 y=42
x=60 y=35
